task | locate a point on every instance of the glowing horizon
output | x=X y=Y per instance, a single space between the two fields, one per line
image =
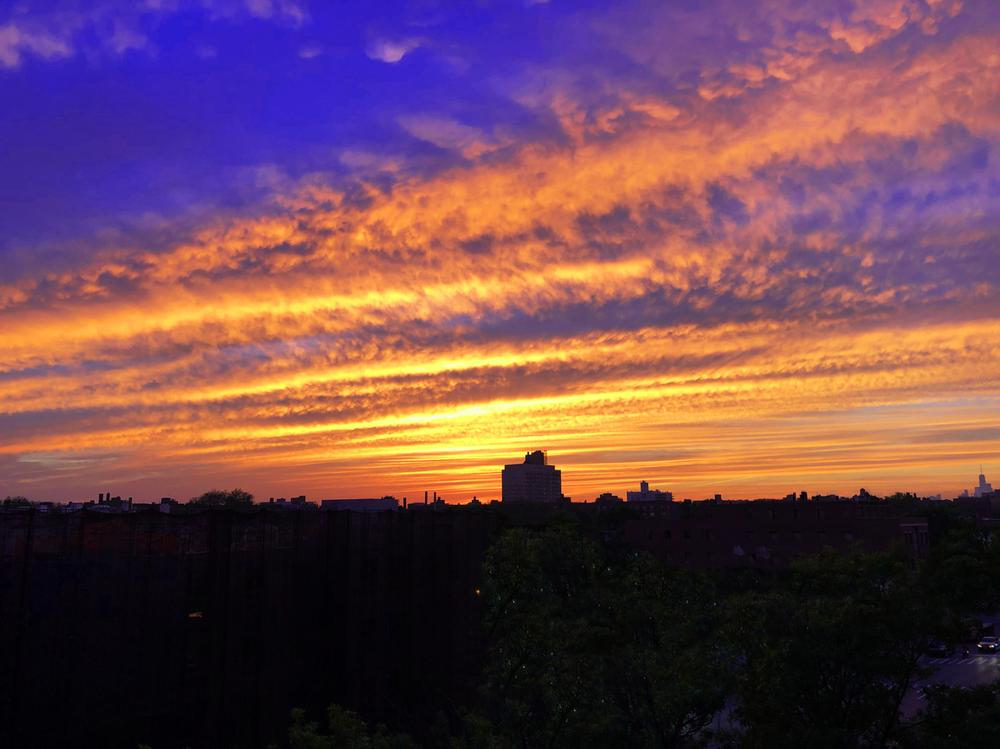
x=732 y=249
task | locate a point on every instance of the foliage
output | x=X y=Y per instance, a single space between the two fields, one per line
x=828 y=654
x=344 y=730
x=958 y=717
x=961 y=573
x=590 y=648
x=591 y=643
x=222 y=498
x=910 y=497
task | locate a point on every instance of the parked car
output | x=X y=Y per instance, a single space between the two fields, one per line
x=989 y=644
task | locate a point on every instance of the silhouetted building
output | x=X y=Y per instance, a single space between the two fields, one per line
x=984 y=502
x=984 y=487
x=204 y=628
x=360 y=505
x=534 y=480
x=291 y=503
x=107 y=503
x=767 y=533
x=607 y=499
x=645 y=494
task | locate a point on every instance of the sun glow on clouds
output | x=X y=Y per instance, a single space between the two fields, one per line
x=753 y=266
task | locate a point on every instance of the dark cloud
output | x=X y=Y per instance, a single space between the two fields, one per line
x=726 y=207
x=965 y=434
x=478 y=245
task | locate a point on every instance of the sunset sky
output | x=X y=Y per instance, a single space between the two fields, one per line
x=350 y=249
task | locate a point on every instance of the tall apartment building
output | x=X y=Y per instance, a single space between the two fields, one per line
x=534 y=480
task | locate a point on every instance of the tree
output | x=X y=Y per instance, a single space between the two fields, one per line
x=221 y=498
x=669 y=669
x=961 y=571
x=344 y=730
x=829 y=653
x=588 y=647
x=958 y=717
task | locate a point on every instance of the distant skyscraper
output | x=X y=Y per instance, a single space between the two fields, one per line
x=534 y=480
x=645 y=494
x=984 y=488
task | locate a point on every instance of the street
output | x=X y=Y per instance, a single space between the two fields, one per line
x=955 y=671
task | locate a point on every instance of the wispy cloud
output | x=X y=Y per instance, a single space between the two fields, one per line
x=116 y=28
x=310 y=52
x=392 y=50
x=450 y=134
x=16 y=42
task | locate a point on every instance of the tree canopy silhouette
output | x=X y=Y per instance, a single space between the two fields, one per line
x=222 y=498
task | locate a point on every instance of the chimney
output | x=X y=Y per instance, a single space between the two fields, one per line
x=425 y=496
